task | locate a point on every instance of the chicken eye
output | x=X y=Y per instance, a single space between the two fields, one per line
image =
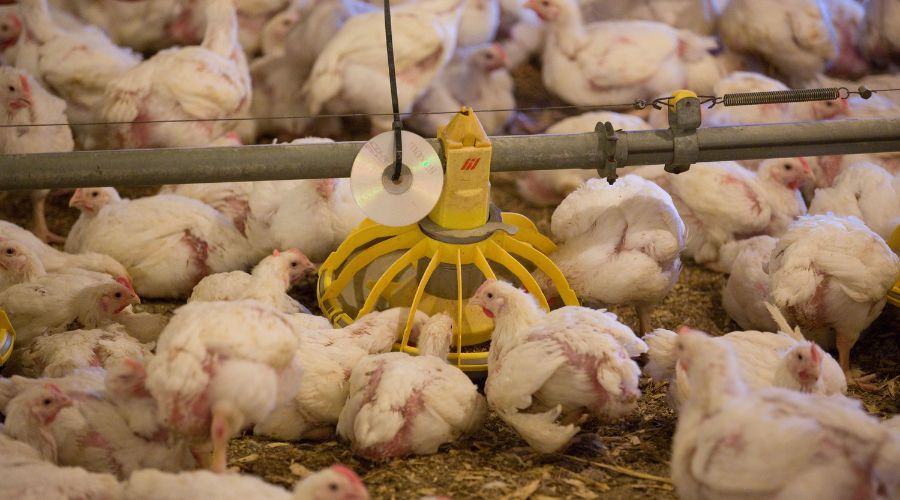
x=333 y=486
x=95 y=194
x=787 y=166
x=293 y=264
x=10 y=251
x=11 y=88
x=47 y=401
x=118 y=295
x=800 y=356
x=490 y=295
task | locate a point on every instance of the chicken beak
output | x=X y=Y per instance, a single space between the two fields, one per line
x=500 y=56
x=535 y=6
x=78 y=200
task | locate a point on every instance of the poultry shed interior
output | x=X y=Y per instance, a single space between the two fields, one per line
x=717 y=318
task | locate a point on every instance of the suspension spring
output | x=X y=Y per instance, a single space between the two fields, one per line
x=781 y=96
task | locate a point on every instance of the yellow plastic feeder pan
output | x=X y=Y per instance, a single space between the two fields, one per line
x=894 y=242
x=437 y=264
x=7 y=338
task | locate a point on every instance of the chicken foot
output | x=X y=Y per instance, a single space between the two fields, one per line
x=219 y=432
x=643 y=313
x=39 y=218
x=844 y=342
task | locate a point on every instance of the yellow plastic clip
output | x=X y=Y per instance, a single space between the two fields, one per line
x=679 y=95
x=7 y=338
x=894 y=242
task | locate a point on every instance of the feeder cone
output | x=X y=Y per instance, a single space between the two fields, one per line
x=437 y=264
x=894 y=242
x=7 y=338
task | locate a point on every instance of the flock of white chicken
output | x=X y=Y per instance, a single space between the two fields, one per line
x=107 y=402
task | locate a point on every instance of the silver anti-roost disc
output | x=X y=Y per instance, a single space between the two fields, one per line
x=410 y=198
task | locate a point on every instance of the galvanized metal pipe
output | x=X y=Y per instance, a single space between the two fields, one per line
x=511 y=153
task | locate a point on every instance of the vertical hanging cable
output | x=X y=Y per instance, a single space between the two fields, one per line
x=392 y=74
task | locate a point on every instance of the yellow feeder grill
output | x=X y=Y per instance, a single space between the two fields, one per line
x=894 y=242
x=7 y=338
x=437 y=264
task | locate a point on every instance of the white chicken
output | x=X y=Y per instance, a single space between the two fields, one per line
x=142 y=25
x=60 y=354
x=328 y=356
x=563 y=365
x=830 y=275
x=82 y=381
x=794 y=36
x=168 y=243
x=764 y=359
x=695 y=15
x=221 y=366
x=476 y=77
x=629 y=232
x=334 y=483
x=26 y=103
x=274 y=34
x=747 y=289
x=524 y=37
x=401 y=404
x=10 y=29
x=268 y=282
x=720 y=202
x=54 y=303
x=206 y=82
x=76 y=66
x=31 y=412
x=55 y=260
x=26 y=475
x=230 y=198
x=478 y=25
x=613 y=62
x=350 y=74
x=881 y=39
x=549 y=187
x=329 y=214
x=732 y=442
x=866 y=191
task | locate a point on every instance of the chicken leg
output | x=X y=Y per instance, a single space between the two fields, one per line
x=39 y=218
x=219 y=432
x=844 y=341
x=643 y=313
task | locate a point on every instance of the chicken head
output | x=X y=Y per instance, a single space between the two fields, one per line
x=298 y=265
x=47 y=402
x=10 y=29
x=15 y=89
x=793 y=173
x=91 y=200
x=489 y=58
x=492 y=296
x=14 y=257
x=804 y=363
x=337 y=482
x=114 y=297
x=550 y=10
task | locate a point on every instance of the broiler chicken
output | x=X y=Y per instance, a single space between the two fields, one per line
x=764 y=359
x=328 y=356
x=206 y=82
x=830 y=275
x=77 y=66
x=848 y=19
x=866 y=191
x=29 y=415
x=476 y=77
x=732 y=442
x=53 y=303
x=329 y=214
x=794 y=36
x=26 y=103
x=220 y=367
x=334 y=483
x=274 y=34
x=60 y=354
x=55 y=260
x=612 y=62
x=722 y=202
x=168 y=243
x=629 y=232
x=268 y=283
x=402 y=404
x=142 y=25
x=350 y=74
x=563 y=365
x=747 y=289
x=26 y=475
x=478 y=25
x=550 y=187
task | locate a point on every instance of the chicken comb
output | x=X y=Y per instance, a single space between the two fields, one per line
x=26 y=87
x=814 y=353
x=54 y=389
x=276 y=252
x=348 y=473
x=805 y=164
x=122 y=280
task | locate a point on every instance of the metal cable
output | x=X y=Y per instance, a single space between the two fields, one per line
x=637 y=105
x=395 y=101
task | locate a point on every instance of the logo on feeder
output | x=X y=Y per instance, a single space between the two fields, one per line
x=471 y=163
